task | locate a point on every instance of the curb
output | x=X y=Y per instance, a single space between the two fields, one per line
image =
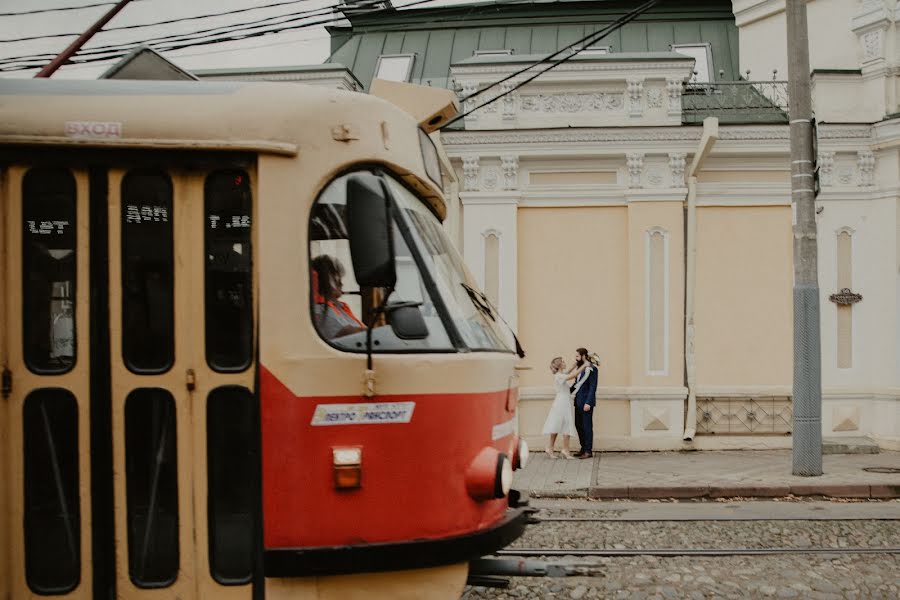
x=874 y=491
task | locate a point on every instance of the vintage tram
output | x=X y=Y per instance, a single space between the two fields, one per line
x=240 y=357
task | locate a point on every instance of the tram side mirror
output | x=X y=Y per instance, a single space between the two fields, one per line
x=406 y=320
x=369 y=231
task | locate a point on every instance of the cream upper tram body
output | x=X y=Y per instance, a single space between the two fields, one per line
x=176 y=422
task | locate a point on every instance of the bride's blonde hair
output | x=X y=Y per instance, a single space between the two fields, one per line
x=554 y=364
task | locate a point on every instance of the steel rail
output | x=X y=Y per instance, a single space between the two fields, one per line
x=610 y=552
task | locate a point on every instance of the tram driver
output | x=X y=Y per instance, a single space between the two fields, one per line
x=332 y=317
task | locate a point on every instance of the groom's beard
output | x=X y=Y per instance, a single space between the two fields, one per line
x=579 y=362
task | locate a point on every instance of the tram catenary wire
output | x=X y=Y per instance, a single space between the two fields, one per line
x=669 y=552
x=56 y=9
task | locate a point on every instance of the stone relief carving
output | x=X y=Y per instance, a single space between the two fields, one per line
x=872 y=44
x=674 y=88
x=845 y=175
x=677 y=164
x=572 y=103
x=490 y=179
x=509 y=100
x=654 y=178
x=635 y=91
x=469 y=88
x=510 y=166
x=826 y=168
x=865 y=162
x=635 y=163
x=654 y=98
x=470 y=172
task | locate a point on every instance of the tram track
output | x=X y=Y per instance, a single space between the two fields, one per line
x=669 y=552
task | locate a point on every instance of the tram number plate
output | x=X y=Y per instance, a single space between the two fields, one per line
x=363 y=414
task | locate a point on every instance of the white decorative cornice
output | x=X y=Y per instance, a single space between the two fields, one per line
x=677 y=163
x=635 y=164
x=510 y=100
x=873 y=14
x=674 y=90
x=634 y=87
x=749 y=11
x=488 y=198
x=510 y=166
x=826 y=168
x=470 y=172
x=865 y=163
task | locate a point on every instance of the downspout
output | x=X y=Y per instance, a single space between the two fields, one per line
x=710 y=136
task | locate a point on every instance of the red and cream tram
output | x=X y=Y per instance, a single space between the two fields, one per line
x=240 y=357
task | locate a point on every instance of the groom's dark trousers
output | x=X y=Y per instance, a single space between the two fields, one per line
x=584 y=420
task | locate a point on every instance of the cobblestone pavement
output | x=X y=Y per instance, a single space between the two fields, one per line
x=817 y=576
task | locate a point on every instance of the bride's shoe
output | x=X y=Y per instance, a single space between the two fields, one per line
x=565 y=454
x=549 y=452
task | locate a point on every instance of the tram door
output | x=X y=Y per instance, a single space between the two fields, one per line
x=133 y=446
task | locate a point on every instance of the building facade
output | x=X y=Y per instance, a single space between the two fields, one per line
x=573 y=203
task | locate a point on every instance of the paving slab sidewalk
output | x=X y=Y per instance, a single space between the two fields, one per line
x=708 y=474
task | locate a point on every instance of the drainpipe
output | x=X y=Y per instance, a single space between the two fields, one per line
x=710 y=135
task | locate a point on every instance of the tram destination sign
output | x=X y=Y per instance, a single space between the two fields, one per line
x=363 y=414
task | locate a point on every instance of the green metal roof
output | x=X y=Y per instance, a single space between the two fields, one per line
x=440 y=37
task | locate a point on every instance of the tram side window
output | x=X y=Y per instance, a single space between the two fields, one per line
x=48 y=270
x=151 y=487
x=148 y=339
x=341 y=309
x=232 y=450
x=52 y=514
x=229 y=271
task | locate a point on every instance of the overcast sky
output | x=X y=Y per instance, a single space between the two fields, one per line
x=298 y=47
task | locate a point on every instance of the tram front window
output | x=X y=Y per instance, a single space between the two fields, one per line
x=430 y=276
x=342 y=309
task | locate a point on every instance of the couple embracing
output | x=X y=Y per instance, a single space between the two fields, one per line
x=562 y=419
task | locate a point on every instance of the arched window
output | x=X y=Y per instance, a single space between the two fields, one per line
x=657 y=286
x=844 y=312
x=492 y=267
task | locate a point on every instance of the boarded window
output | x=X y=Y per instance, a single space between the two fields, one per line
x=151 y=474
x=232 y=451
x=229 y=271
x=48 y=270
x=148 y=317
x=656 y=302
x=52 y=515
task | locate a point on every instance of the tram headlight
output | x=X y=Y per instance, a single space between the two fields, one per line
x=489 y=475
x=522 y=455
x=347 y=468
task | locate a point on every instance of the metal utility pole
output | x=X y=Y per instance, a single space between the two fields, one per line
x=75 y=46
x=807 y=393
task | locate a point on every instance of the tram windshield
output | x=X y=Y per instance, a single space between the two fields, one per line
x=431 y=276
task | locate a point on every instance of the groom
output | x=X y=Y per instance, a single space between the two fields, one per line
x=585 y=389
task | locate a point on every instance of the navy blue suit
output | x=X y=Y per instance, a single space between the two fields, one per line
x=586 y=394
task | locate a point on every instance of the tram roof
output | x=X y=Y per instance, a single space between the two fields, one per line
x=250 y=116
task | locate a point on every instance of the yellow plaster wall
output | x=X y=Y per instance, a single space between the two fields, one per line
x=744 y=296
x=573 y=289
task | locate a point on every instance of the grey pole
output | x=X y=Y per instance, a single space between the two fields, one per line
x=807 y=393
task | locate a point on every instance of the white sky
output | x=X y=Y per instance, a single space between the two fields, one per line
x=298 y=47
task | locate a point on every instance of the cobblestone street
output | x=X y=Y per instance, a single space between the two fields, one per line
x=820 y=576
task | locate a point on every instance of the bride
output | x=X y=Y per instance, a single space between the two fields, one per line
x=561 y=419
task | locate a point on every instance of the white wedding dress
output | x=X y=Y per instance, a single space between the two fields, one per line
x=561 y=418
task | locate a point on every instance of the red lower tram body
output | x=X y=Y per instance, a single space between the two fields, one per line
x=430 y=474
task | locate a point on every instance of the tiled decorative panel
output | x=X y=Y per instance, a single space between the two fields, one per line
x=756 y=416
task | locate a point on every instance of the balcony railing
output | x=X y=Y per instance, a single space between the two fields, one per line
x=736 y=101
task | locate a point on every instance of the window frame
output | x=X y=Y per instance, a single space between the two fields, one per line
x=457 y=344
x=409 y=67
x=710 y=74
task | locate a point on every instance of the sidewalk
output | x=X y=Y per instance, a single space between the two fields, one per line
x=708 y=474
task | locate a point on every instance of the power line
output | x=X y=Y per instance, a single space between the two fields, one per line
x=61 y=8
x=179 y=41
x=170 y=21
x=594 y=37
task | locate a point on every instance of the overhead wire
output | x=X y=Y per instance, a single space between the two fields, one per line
x=177 y=42
x=57 y=9
x=179 y=20
x=585 y=42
